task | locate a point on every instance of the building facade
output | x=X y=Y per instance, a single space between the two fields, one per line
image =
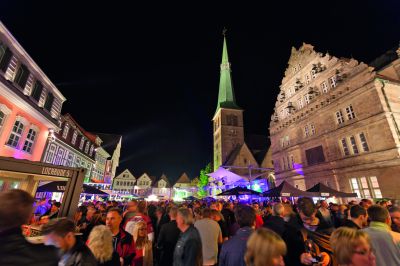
x=30 y=104
x=336 y=122
x=144 y=185
x=71 y=146
x=162 y=188
x=124 y=183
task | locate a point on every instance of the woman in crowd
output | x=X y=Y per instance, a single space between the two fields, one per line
x=265 y=248
x=100 y=243
x=352 y=247
x=144 y=252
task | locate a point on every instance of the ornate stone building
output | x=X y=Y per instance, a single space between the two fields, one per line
x=336 y=121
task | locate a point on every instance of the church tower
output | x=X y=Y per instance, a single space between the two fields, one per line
x=228 y=118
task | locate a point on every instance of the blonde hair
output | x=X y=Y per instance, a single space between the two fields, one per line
x=263 y=246
x=344 y=240
x=140 y=242
x=100 y=243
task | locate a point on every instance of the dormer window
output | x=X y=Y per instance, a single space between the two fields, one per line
x=74 y=137
x=91 y=151
x=87 y=147
x=65 y=131
x=81 y=143
x=37 y=90
x=22 y=76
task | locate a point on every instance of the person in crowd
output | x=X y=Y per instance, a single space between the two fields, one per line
x=229 y=215
x=53 y=211
x=197 y=213
x=324 y=213
x=219 y=218
x=167 y=239
x=42 y=207
x=259 y=220
x=140 y=216
x=101 y=245
x=275 y=222
x=144 y=247
x=383 y=239
x=365 y=203
x=161 y=219
x=267 y=212
x=188 y=249
x=211 y=236
x=80 y=216
x=309 y=229
x=123 y=242
x=15 y=210
x=265 y=247
x=233 y=250
x=352 y=247
x=74 y=252
x=358 y=218
x=395 y=217
x=131 y=210
x=95 y=219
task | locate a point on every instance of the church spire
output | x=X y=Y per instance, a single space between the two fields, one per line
x=226 y=96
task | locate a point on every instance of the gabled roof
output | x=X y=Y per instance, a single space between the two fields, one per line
x=126 y=170
x=183 y=179
x=110 y=141
x=164 y=177
x=258 y=145
x=68 y=117
x=231 y=158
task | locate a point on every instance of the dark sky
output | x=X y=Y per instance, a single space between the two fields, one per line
x=151 y=71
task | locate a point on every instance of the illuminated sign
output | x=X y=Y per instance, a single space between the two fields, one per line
x=56 y=172
x=285 y=194
x=324 y=194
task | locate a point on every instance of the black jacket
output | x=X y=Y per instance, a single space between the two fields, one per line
x=351 y=224
x=16 y=250
x=275 y=223
x=188 y=249
x=79 y=255
x=166 y=242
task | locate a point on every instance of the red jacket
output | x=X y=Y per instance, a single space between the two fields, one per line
x=126 y=247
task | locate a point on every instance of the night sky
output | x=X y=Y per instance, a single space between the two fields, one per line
x=151 y=71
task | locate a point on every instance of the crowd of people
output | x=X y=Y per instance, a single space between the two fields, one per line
x=201 y=233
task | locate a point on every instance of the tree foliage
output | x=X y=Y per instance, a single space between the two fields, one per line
x=203 y=180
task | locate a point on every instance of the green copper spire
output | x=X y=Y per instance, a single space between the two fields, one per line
x=226 y=96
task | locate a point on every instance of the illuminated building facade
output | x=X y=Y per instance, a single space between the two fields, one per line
x=30 y=104
x=72 y=146
x=336 y=121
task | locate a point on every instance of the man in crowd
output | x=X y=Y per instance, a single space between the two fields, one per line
x=395 y=216
x=130 y=211
x=308 y=227
x=382 y=238
x=15 y=210
x=169 y=234
x=123 y=242
x=233 y=250
x=61 y=233
x=211 y=236
x=275 y=221
x=365 y=203
x=358 y=218
x=188 y=249
x=325 y=213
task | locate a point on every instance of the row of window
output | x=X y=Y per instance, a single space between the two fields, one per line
x=21 y=78
x=366 y=187
x=309 y=130
x=82 y=142
x=58 y=155
x=288 y=162
x=304 y=100
x=354 y=144
x=349 y=114
x=17 y=133
x=125 y=183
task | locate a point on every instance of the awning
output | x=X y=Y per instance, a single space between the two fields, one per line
x=325 y=191
x=238 y=191
x=287 y=190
